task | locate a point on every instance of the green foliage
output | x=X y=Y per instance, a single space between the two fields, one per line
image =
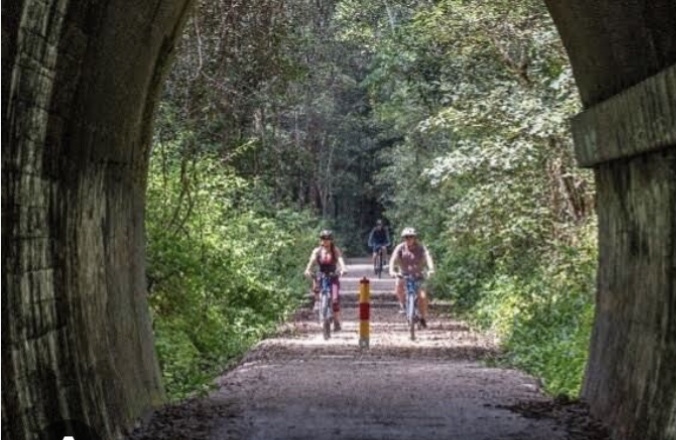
x=544 y=316
x=448 y=116
x=223 y=265
x=479 y=97
x=269 y=87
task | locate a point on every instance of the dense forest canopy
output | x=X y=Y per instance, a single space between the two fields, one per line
x=279 y=118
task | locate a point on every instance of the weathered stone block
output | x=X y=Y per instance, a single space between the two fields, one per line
x=630 y=381
x=639 y=120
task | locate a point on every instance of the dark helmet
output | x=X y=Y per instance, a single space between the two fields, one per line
x=326 y=234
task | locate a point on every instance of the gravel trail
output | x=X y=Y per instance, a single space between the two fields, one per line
x=298 y=386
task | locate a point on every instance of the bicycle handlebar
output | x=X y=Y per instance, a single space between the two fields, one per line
x=402 y=276
x=331 y=274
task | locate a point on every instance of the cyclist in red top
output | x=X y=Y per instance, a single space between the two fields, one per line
x=329 y=258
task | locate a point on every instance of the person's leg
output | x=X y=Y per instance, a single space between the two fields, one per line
x=422 y=307
x=399 y=292
x=385 y=259
x=315 y=293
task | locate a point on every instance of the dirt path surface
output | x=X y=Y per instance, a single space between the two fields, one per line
x=299 y=386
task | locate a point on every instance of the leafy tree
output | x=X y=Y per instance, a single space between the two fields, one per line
x=447 y=115
x=480 y=96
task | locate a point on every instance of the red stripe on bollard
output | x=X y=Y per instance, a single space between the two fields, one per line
x=364 y=311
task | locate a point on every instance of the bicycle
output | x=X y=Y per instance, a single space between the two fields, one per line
x=413 y=285
x=379 y=263
x=325 y=306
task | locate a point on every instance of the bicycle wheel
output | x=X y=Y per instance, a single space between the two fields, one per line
x=320 y=309
x=326 y=315
x=379 y=262
x=376 y=265
x=410 y=314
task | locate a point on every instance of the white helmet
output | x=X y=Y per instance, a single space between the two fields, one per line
x=408 y=232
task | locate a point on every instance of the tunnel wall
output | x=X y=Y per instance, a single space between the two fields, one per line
x=79 y=85
x=623 y=55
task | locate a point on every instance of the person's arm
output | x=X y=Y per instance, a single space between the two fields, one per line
x=370 y=241
x=341 y=262
x=387 y=237
x=313 y=259
x=394 y=259
x=429 y=262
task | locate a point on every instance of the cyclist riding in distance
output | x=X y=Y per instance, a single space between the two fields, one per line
x=412 y=258
x=328 y=257
x=379 y=239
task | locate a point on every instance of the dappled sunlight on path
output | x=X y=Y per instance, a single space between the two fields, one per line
x=296 y=385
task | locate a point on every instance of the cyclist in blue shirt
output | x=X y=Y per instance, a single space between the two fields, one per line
x=379 y=238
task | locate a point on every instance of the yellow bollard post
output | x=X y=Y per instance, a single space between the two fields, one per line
x=364 y=312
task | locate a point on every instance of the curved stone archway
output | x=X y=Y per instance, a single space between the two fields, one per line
x=623 y=56
x=79 y=86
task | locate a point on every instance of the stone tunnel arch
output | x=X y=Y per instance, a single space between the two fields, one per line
x=79 y=85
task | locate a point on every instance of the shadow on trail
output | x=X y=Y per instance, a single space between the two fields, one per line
x=283 y=352
x=296 y=385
